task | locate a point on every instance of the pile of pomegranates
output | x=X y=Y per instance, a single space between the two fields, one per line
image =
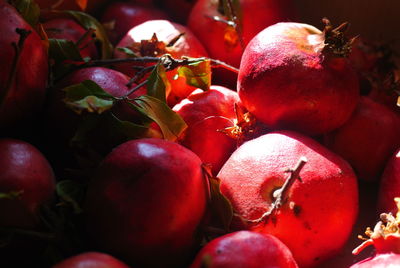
x=195 y=133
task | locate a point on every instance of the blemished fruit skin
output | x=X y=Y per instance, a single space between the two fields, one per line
x=387 y=260
x=166 y=31
x=206 y=139
x=152 y=194
x=91 y=260
x=245 y=249
x=368 y=139
x=26 y=93
x=217 y=101
x=23 y=170
x=288 y=82
x=390 y=185
x=125 y=15
x=65 y=28
x=320 y=212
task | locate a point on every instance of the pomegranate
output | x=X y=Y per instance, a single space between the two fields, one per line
x=179 y=10
x=221 y=40
x=152 y=194
x=64 y=28
x=390 y=184
x=294 y=76
x=207 y=140
x=122 y=16
x=217 y=101
x=91 y=259
x=385 y=239
x=367 y=139
x=28 y=180
x=23 y=78
x=244 y=249
x=156 y=38
x=305 y=216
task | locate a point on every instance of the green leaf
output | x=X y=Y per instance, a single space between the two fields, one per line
x=157 y=83
x=84 y=89
x=128 y=52
x=29 y=10
x=71 y=193
x=92 y=104
x=11 y=195
x=197 y=74
x=220 y=205
x=132 y=130
x=88 y=96
x=170 y=123
x=90 y=22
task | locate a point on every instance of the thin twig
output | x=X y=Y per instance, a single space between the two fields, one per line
x=281 y=194
x=140 y=74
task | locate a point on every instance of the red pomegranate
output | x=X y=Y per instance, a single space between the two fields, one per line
x=390 y=184
x=221 y=40
x=367 y=139
x=65 y=28
x=122 y=16
x=24 y=68
x=156 y=38
x=293 y=76
x=385 y=239
x=91 y=260
x=27 y=177
x=245 y=249
x=152 y=194
x=314 y=217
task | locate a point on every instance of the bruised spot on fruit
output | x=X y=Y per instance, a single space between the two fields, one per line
x=295 y=208
x=307 y=225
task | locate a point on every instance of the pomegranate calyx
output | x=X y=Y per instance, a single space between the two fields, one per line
x=336 y=42
x=385 y=236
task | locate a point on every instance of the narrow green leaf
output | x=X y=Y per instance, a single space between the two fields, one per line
x=11 y=195
x=29 y=10
x=128 y=52
x=170 y=123
x=61 y=50
x=157 y=83
x=220 y=205
x=197 y=74
x=72 y=193
x=90 y=22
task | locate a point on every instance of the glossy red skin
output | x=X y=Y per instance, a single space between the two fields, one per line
x=63 y=122
x=367 y=139
x=387 y=98
x=325 y=203
x=127 y=15
x=152 y=194
x=23 y=168
x=390 y=185
x=64 y=28
x=286 y=84
x=217 y=101
x=256 y=15
x=91 y=260
x=245 y=249
x=187 y=45
x=379 y=261
x=206 y=140
x=28 y=90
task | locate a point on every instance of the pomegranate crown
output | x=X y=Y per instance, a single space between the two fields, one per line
x=336 y=42
x=385 y=236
